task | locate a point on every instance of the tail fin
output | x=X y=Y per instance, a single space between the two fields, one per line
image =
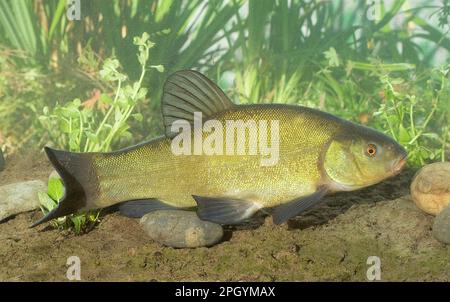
x=76 y=173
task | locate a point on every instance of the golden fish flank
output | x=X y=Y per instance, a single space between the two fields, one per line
x=228 y=137
x=318 y=154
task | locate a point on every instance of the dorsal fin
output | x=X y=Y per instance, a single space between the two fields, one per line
x=188 y=91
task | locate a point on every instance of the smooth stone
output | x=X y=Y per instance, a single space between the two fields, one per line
x=180 y=229
x=441 y=226
x=20 y=197
x=430 y=188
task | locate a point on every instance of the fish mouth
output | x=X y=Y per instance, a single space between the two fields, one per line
x=398 y=165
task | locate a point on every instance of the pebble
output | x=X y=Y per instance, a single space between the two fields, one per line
x=430 y=188
x=441 y=226
x=20 y=197
x=180 y=229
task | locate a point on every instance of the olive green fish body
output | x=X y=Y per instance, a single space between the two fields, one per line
x=317 y=153
x=174 y=179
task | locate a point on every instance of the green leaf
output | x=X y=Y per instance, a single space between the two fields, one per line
x=403 y=135
x=71 y=111
x=141 y=93
x=60 y=9
x=64 y=126
x=127 y=136
x=332 y=57
x=142 y=58
x=117 y=115
x=78 y=222
x=110 y=72
x=123 y=128
x=128 y=90
x=92 y=137
x=73 y=146
x=76 y=103
x=55 y=188
x=104 y=98
x=138 y=117
x=159 y=68
x=43 y=118
x=46 y=202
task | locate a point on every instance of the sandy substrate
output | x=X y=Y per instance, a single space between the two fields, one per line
x=331 y=242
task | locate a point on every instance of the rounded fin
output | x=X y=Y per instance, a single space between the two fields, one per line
x=226 y=211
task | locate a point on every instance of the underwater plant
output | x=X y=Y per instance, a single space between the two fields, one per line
x=95 y=125
x=408 y=116
x=78 y=223
x=91 y=127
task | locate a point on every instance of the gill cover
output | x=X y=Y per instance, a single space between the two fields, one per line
x=361 y=159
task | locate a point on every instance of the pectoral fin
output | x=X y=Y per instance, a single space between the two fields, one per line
x=291 y=209
x=224 y=210
x=138 y=208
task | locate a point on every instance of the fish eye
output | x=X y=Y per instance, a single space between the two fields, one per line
x=371 y=150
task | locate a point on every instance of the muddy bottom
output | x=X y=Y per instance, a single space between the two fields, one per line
x=331 y=242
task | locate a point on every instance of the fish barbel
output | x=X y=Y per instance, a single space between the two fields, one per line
x=318 y=154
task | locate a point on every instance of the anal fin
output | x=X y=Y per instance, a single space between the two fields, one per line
x=138 y=208
x=226 y=211
x=284 y=212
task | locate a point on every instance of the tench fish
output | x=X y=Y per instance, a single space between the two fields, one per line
x=317 y=154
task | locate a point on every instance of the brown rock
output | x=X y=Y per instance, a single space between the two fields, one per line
x=441 y=226
x=430 y=188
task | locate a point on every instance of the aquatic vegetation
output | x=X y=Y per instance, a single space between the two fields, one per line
x=18 y=19
x=93 y=126
x=418 y=119
x=17 y=87
x=409 y=105
x=78 y=223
